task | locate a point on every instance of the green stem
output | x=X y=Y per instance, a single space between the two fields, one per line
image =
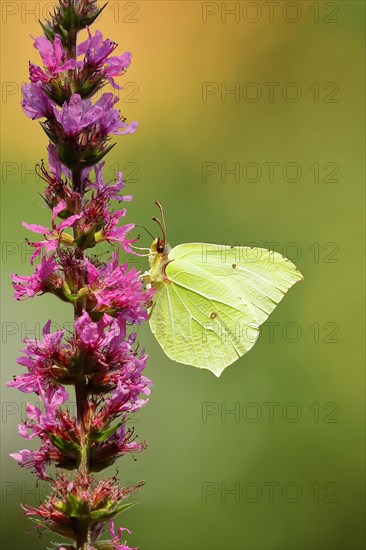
x=76 y=180
x=81 y=392
x=81 y=399
x=83 y=540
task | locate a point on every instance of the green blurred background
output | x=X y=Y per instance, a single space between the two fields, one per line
x=292 y=455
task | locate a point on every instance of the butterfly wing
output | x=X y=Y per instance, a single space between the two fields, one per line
x=209 y=314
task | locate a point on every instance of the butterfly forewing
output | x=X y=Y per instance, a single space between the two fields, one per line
x=259 y=277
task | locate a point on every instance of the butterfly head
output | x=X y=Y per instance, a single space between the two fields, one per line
x=160 y=246
x=159 y=251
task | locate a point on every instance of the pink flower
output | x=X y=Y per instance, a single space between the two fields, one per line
x=35 y=102
x=111 y=192
x=39 y=421
x=79 y=114
x=116 y=537
x=97 y=52
x=41 y=280
x=95 y=49
x=34 y=459
x=47 y=454
x=122 y=441
x=117 y=291
x=54 y=236
x=112 y=123
x=43 y=359
x=114 y=233
x=54 y=60
x=117 y=65
x=59 y=434
x=84 y=495
x=54 y=163
x=92 y=334
x=120 y=401
x=116 y=363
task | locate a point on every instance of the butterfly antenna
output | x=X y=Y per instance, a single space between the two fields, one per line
x=147 y=231
x=161 y=224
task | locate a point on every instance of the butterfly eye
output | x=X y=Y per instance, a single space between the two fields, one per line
x=160 y=246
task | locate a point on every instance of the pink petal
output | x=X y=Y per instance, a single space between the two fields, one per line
x=70 y=221
x=55 y=211
x=36 y=228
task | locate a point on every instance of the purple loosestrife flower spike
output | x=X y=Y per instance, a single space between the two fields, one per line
x=99 y=361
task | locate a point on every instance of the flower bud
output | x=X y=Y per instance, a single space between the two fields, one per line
x=70 y=17
x=67 y=239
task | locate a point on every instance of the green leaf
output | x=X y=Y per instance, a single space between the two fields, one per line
x=93 y=157
x=74 y=506
x=48 y=32
x=55 y=527
x=96 y=315
x=46 y=201
x=64 y=296
x=103 y=435
x=90 y=20
x=104 y=514
x=64 y=446
x=48 y=132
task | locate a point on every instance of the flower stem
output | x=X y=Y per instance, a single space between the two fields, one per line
x=81 y=393
x=76 y=180
x=83 y=540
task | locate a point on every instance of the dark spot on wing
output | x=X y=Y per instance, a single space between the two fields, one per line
x=233 y=266
x=213 y=315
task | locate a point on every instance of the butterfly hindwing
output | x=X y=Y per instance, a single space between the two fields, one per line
x=198 y=331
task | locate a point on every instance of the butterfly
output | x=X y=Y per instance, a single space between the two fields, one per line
x=210 y=299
